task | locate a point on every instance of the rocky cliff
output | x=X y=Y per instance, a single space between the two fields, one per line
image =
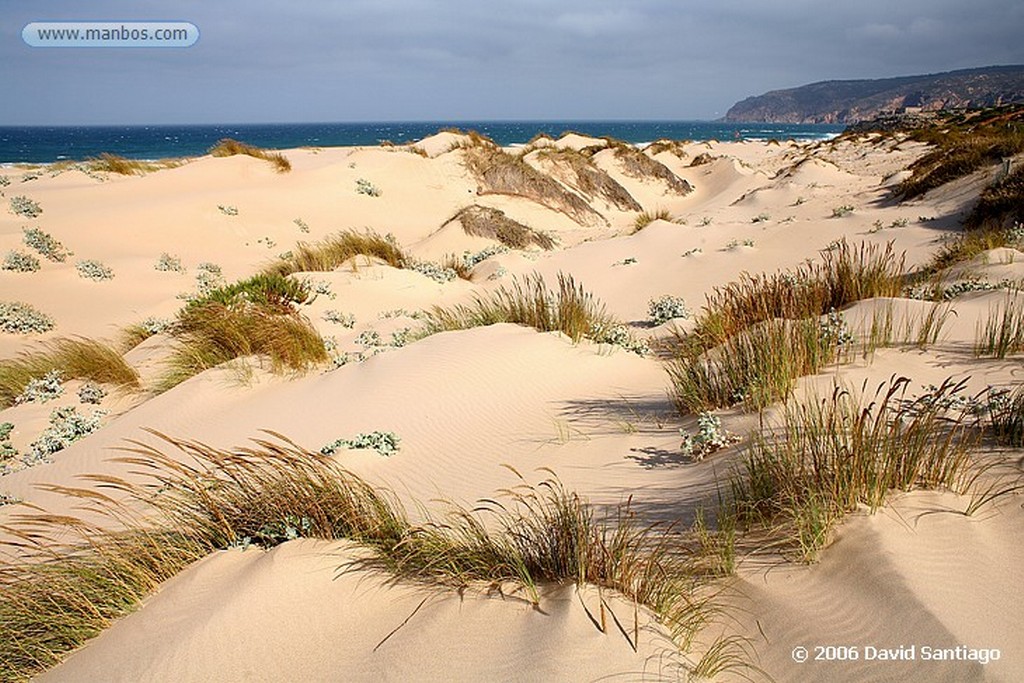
x=853 y=101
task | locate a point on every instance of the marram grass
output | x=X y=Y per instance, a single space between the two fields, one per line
x=824 y=458
x=66 y=580
x=336 y=250
x=75 y=358
x=569 y=309
x=229 y=147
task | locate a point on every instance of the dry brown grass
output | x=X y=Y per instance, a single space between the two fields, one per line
x=73 y=579
x=636 y=164
x=211 y=333
x=569 y=309
x=112 y=163
x=501 y=173
x=675 y=147
x=586 y=177
x=74 y=358
x=483 y=221
x=334 y=251
x=228 y=147
x=844 y=274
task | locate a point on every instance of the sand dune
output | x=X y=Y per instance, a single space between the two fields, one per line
x=468 y=403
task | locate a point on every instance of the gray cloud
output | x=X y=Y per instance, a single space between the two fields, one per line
x=264 y=60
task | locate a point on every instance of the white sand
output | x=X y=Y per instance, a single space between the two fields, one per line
x=467 y=403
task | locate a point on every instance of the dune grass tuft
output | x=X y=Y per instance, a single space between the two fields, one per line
x=757 y=366
x=60 y=593
x=648 y=217
x=755 y=336
x=484 y=221
x=588 y=178
x=499 y=172
x=229 y=147
x=637 y=164
x=113 y=163
x=826 y=457
x=1000 y=204
x=211 y=333
x=568 y=309
x=334 y=251
x=1001 y=333
x=844 y=275
x=74 y=358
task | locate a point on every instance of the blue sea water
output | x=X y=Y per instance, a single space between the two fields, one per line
x=41 y=144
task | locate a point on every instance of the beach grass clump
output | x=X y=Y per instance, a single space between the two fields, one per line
x=212 y=332
x=133 y=335
x=757 y=366
x=78 y=578
x=1001 y=332
x=91 y=269
x=568 y=309
x=113 y=163
x=648 y=217
x=1000 y=204
x=825 y=458
x=17 y=317
x=45 y=244
x=270 y=290
x=667 y=307
x=20 y=262
x=23 y=206
x=636 y=164
x=484 y=221
x=1006 y=418
x=336 y=250
x=968 y=244
x=229 y=147
x=74 y=358
x=588 y=178
x=842 y=211
x=844 y=274
x=499 y=172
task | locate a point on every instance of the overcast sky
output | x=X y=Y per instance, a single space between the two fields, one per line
x=369 y=60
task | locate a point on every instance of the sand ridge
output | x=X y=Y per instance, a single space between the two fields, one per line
x=467 y=403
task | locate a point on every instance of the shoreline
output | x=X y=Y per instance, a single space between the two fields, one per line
x=196 y=139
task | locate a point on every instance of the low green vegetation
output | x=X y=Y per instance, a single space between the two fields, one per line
x=17 y=317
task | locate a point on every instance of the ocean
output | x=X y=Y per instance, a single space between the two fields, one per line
x=43 y=144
